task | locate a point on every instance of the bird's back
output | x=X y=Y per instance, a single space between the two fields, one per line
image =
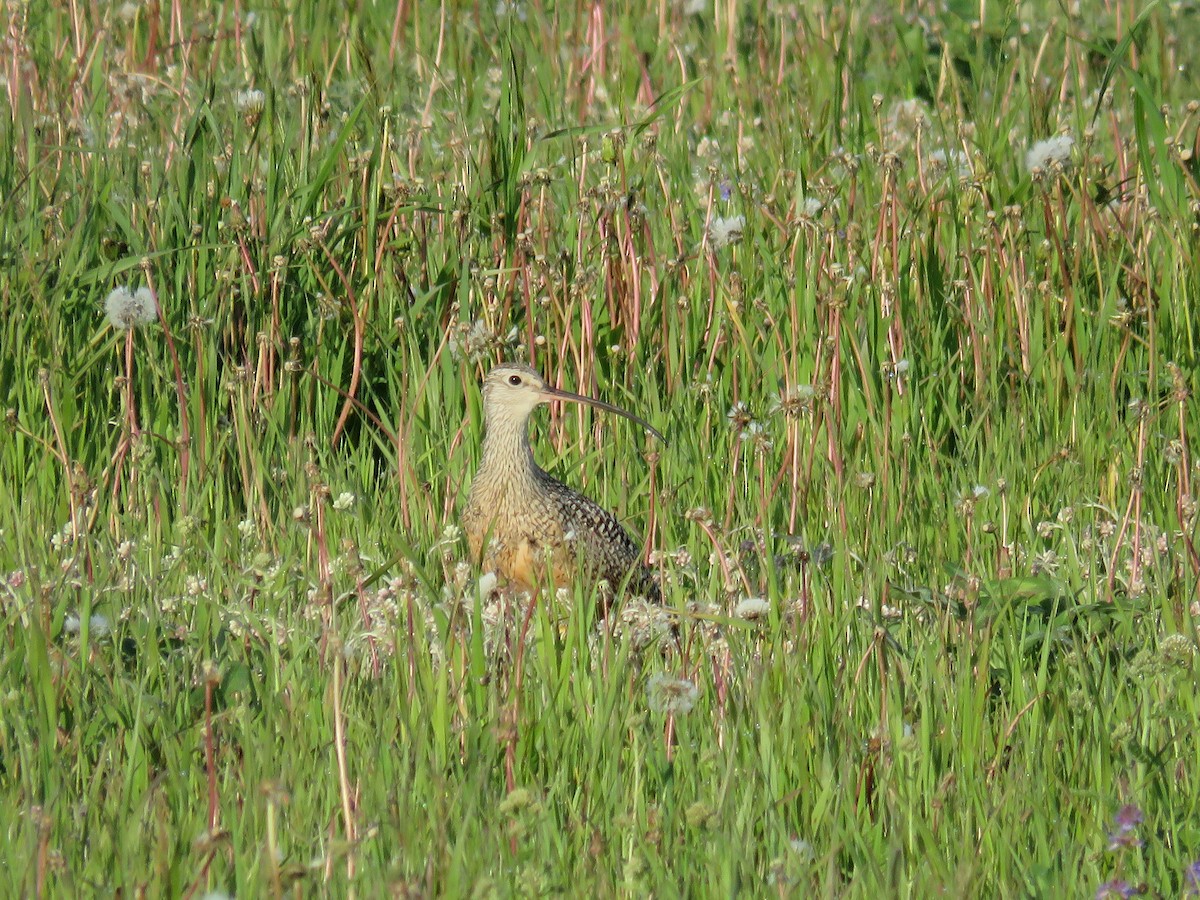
x=606 y=548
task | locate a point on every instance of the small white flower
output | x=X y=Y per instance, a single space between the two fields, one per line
x=810 y=206
x=344 y=501
x=487 y=583
x=724 y=231
x=979 y=492
x=1048 y=153
x=127 y=309
x=752 y=608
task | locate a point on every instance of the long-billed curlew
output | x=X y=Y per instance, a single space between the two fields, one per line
x=532 y=523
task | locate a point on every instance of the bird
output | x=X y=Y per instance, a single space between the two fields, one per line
x=522 y=523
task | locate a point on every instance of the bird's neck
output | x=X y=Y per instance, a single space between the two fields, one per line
x=506 y=451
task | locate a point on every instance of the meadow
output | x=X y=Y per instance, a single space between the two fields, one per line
x=910 y=290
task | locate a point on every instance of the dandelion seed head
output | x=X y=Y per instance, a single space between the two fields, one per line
x=251 y=102
x=671 y=695
x=756 y=433
x=793 y=401
x=724 y=231
x=752 y=608
x=1044 y=563
x=126 y=309
x=952 y=160
x=707 y=148
x=505 y=8
x=1050 y=155
x=739 y=416
x=802 y=849
x=99 y=626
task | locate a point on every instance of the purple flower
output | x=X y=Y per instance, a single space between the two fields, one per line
x=1124 y=834
x=726 y=189
x=1123 y=839
x=1129 y=817
x=1191 y=879
x=1115 y=888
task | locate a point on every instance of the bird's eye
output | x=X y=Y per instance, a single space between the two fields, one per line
x=514 y=380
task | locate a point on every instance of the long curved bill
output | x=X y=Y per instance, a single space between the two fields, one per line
x=550 y=393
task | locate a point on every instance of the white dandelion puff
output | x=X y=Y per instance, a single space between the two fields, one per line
x=671 y=695
x=725 y=231
x=1055 y=151
x=752 y=608
x=98 y=625
x=250 y=103
x=954 y=161
x=126 y=309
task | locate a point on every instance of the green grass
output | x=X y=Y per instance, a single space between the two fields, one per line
x=936 y=409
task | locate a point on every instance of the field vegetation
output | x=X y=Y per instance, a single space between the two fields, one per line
x=910 y=289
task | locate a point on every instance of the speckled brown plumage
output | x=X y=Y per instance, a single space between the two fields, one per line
x=532 y=524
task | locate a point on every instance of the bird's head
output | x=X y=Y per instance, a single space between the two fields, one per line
x=512 y=391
